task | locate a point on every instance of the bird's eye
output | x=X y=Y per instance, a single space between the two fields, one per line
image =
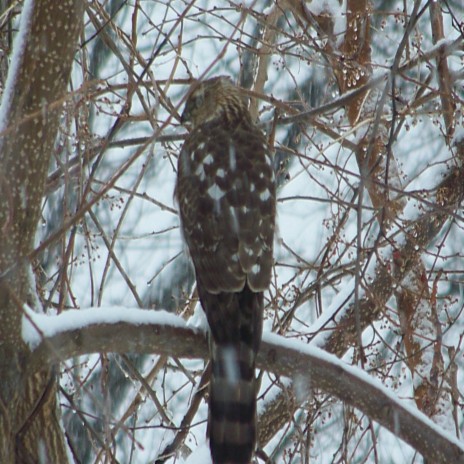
x=197 y=100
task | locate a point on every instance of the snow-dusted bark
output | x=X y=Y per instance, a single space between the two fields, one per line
x=31 y=105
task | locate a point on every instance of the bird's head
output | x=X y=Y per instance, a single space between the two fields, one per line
x=215 y=98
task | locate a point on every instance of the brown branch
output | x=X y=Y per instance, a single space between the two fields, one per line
x=444 y=49
x=444 y=78
x=264 y=55
x=184 y=427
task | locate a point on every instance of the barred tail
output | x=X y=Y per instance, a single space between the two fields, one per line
x=232 y=416
x=235 y=320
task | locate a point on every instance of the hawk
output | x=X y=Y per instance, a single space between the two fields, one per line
x=226 y=195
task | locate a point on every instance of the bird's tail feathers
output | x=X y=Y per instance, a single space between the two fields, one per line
x=232 y=421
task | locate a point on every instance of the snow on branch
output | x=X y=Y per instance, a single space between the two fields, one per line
x=311 y=367
x=16 y=60
x=111 y=329
x=116 y=329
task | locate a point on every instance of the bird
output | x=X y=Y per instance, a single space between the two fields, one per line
x=226 y=195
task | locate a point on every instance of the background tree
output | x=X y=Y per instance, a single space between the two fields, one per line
x=362 y=104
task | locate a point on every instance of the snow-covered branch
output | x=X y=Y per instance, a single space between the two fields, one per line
x=56 y=338
x=112 y=329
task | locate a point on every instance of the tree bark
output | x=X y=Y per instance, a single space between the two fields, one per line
x=32 y=102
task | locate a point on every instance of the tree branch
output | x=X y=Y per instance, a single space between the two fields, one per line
x=141 y=331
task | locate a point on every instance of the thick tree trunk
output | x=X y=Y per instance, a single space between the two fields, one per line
x=31 y=107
